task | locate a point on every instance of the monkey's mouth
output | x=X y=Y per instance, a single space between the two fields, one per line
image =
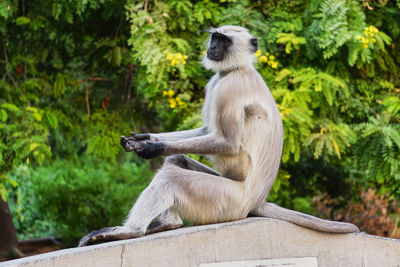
x=214 y=56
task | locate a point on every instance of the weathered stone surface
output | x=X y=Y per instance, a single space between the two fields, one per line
x=289 y=262
x=248 y=239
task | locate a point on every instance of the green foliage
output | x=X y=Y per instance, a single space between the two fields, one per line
x=382 y=163
x=74 y=196
x=69 y=88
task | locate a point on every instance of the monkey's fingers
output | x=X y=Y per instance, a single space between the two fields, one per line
x=145 y=136
x=123 y=140
x=133 y=145
x=129 y=147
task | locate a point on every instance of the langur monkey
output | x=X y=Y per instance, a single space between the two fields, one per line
x=243 y=135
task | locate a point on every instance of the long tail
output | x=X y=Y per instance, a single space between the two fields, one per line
x=271 y=210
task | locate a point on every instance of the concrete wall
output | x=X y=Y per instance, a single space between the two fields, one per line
x=245 y=240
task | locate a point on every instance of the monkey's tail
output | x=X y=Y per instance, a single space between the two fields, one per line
x=271 y=210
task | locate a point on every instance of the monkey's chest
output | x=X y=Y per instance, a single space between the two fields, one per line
x=209 y=112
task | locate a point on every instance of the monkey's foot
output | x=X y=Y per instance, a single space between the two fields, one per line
x=109 y=234
x=158 y=226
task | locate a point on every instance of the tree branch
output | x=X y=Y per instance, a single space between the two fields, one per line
x=87 y=99
x=6 y=67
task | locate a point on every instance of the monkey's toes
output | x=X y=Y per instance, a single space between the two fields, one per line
x=90 y=239
x=85 y=240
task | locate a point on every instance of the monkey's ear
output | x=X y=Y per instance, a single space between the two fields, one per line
x=254 y=45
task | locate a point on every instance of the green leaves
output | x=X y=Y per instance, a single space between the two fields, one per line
x=331 y=140
x=22 y=20
x=382 y=164
x=59 y=85
x=73 y=196
x=291 y=41
x=103 y=134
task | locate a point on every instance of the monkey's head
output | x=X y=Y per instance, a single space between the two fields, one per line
x=229 y=47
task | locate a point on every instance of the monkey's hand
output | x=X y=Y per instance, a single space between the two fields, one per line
x=145 y=145
x=136 y=141
x=151 y=150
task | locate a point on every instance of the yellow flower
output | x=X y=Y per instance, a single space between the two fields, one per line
x=174 y=62
x=258 y=53
x=164 y=93
x=372 y=30
x=176 y=59
x=172 y=103
x=365 y=41
x=274 y=65
x=179 y=101
x=203 y=52
x=171 y=93
x=369 y=36
x=263 y=59
x=271 y=57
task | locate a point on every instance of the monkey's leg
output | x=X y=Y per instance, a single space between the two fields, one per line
x=163 y=192
x=274 y=211
x=176 y=185
x=153 y=201
x=198 y=196
x=169 y=220
x=185 y=162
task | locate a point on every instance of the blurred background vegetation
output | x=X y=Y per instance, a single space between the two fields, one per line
x=75 y=75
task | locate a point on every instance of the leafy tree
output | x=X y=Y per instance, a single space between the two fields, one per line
x=75 y=75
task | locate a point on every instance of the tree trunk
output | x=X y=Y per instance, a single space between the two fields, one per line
x=8 y=237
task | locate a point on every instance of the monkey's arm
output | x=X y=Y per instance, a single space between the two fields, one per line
x=225 y=139
x=136 y=141
x=172 y=136
x=169 y=136
x=207 y=144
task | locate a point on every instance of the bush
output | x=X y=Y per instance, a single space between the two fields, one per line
x=71 y=197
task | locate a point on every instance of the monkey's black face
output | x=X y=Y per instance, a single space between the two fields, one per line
x=219 y=46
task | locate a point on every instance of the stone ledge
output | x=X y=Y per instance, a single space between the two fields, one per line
x=248 y=239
